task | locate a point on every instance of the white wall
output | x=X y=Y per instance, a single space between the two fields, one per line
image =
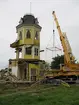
x=14 y=70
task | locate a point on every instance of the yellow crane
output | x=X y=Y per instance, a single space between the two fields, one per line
x=69 y=60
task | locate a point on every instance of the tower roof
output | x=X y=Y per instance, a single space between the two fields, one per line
x=28 y=19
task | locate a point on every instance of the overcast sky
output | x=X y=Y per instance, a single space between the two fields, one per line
x=67 y=12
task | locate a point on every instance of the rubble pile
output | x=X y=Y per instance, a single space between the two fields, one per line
x=6 y=75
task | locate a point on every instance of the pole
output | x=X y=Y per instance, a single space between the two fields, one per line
x=30 y=7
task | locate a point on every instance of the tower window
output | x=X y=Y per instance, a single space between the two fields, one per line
x=28 y=50
x=36 y=35
x=20 y=35
x=36 y=51
x=28 y=35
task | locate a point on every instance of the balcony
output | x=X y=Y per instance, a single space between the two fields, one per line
x=36 y=42
x=16 y=43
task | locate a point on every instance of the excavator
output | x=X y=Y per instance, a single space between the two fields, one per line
x=69 y=68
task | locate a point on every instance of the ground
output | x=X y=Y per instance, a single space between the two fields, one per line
x=42 y=95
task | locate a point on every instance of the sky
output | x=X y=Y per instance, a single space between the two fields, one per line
x=11 y=11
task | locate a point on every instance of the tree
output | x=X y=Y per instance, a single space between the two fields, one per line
x=47 y=66
x=44 y=65
x=55 y=64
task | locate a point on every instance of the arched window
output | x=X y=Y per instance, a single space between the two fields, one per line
x=20 y=35
x=28 y=35
x=36 y=36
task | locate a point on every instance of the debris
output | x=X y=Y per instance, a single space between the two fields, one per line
x=6 y=75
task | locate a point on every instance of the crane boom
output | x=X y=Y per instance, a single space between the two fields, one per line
x=69 y=58
x=69 y=48
x=62 y=39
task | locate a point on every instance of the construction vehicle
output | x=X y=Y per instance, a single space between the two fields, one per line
x=68 y=56
x=69 y=68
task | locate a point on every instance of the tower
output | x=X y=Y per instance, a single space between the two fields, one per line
x=27 y=48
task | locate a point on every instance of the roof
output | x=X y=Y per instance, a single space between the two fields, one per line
x=28 y=19
x=14 y=44
x=27 y=60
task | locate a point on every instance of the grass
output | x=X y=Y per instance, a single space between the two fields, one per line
x=52 y=96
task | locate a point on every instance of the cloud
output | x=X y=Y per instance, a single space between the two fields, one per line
x=2 y=1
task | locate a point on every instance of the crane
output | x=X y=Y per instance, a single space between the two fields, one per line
x=69 y=59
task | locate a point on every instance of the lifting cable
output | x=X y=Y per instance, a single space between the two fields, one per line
x=53 y=44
